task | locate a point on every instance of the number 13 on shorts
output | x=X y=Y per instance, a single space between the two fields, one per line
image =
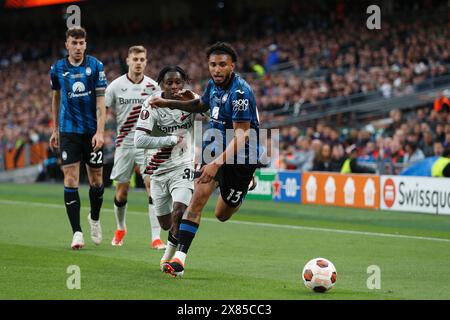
x=234 y=196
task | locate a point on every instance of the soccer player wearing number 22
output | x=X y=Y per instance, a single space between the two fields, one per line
x=78 y=110
x=232 y=106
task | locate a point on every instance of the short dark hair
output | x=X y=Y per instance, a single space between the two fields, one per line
x=412 y=144
x=222 y=48
x=172 y=68
x=76 y=32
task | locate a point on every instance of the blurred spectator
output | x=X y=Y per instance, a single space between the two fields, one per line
x=438 y=148
x=412 y=154
x=426 y=144
x=322 y=160
x=303 y=156
x=442 y=102
x=337 y=157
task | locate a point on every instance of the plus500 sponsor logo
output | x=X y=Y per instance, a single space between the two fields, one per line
x=418 y=197
x=240 y=105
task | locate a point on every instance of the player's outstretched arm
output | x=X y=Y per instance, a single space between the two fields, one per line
x=144 y=140
x=54 y=139
x=191 y=106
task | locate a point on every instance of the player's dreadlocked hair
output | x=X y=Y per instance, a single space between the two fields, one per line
x=172 y=68
x=222 y=48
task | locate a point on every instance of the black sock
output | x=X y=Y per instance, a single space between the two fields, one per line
x=186 y=234
x=96 y=197
x=119 y=204
x=72 y=202
x=172 y=239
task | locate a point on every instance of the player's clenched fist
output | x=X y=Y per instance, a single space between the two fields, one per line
x=54 y=140
x=97 y=141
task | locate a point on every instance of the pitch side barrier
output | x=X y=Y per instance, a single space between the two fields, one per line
x=399 y=193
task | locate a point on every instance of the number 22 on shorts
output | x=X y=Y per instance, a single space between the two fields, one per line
x=96 y=157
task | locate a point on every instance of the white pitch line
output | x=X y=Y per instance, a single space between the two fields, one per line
x=258 y=224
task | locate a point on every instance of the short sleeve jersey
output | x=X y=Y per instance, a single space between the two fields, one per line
x=235 y=103
x=78 y=86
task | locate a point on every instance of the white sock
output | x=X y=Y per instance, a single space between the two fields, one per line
x=180 y=255
x=154 y=223
x=120 y=216
x=170 y=251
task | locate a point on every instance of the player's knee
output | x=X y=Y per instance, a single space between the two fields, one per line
x=96 y=178
x=222 y=217
x=122 y=195
x=97 y=184
x=178 y=213
x=165 y=226
x=70 y=181
x=165 y=222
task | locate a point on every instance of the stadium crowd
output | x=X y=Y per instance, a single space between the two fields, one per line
x=388 y=147
x=301 y=61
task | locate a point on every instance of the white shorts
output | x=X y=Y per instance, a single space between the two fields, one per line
x=124 y=161
x=170 y=187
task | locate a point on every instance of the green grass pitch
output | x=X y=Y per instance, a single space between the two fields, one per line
x=258 y=254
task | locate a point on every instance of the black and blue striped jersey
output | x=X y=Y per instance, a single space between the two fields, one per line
x=235 y=103
x=79 y=86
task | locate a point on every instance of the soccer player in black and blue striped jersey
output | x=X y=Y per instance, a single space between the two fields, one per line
x=78 y=83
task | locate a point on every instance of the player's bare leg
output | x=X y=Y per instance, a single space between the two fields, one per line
x=72 y=202
x=171 y=222
x=154 y=223
x=223 y=211
x=189 y=225
x=120 y=208
x=96 y=190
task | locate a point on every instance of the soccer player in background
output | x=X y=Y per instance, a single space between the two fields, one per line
x=172 y=166
x=125 y=96
x=232 y=105
x=78 y=110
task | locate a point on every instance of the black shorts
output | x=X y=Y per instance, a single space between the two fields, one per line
x=233 y=182
x=76 y=147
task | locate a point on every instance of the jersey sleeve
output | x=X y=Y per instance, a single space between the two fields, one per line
x=241 y=100
x=147 y=118
x=205 y=98
x=100 y=81
x=110 y=97
x=54 y=83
